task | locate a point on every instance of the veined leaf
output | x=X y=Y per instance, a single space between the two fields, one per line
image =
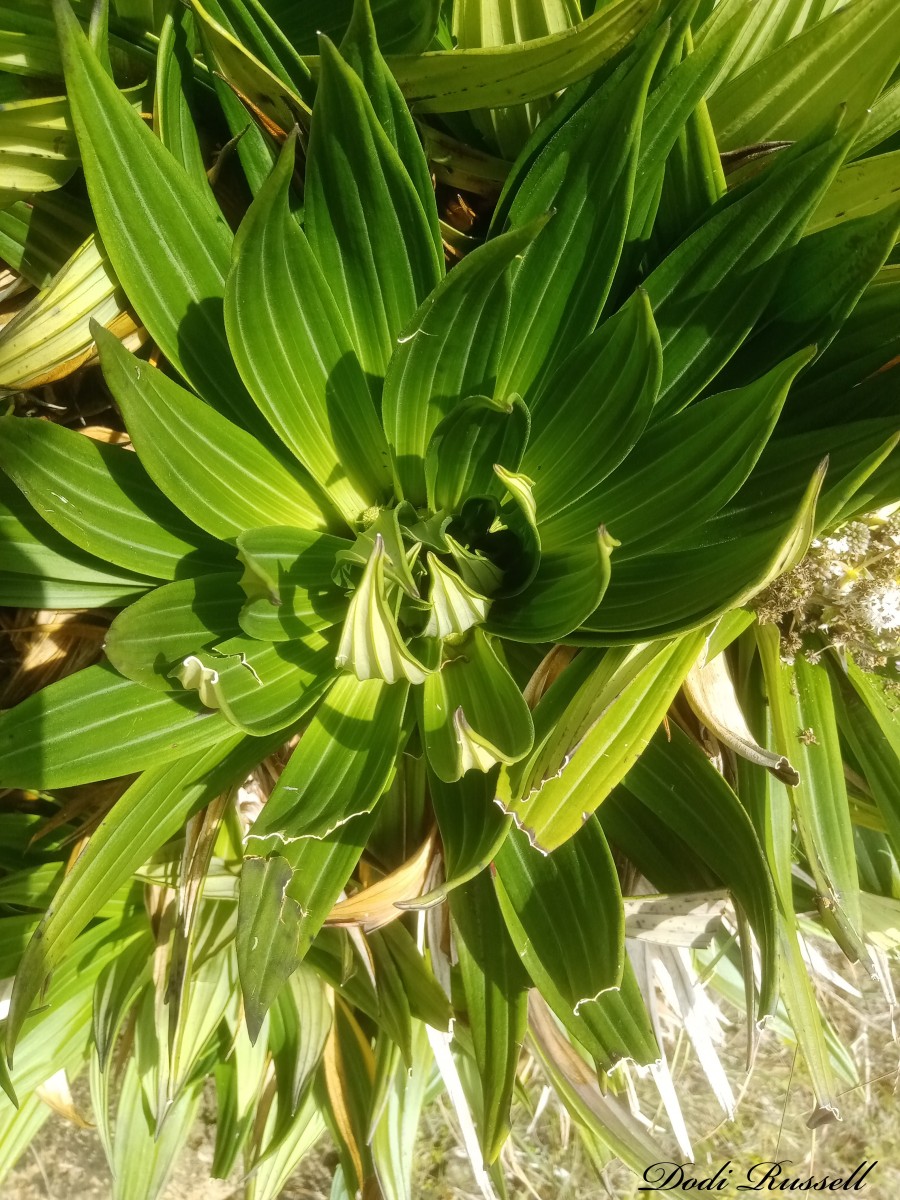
x=858 y=189
x=560 y=288
x=96 y=725
x=299 y=363
x=38 y=151
x=466 y=445
x=171 y=260
x=257 y=687
x=182 y=442
x=101 y=498
x=152 y=636
x=471 y=713
x=677 y=782
x=340 y=768
x=788 y=93
x=492 y=77
x=711 y=289
x=51 y=336
x=575 y=440
x=684 y=469
x=152 y=810
x=495 y=986
x=448 y=352
x=357 y=184
x=41 y=569
x=472 y=827
x=288 y=582
x=580 y=774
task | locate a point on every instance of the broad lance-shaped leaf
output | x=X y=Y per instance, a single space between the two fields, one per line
x=101 y=498
x=288 y=582
x=676 y=781
x=96 y=725
x=496 y=76
x=151 y=636
x=219 y=475
x=360 y=50
x=41 y=569
x=471 y=826
x=560 y=288
x=372 y=646
x=295 y=354
x=169 y=249
x=590 y=412
x=564 y=914
x=258 y=687
x=495 y=986
x=471 y=713
x=447 y=352
x=341 y=766
x=787 y=93
x=463 y=450
x=567 y=587
x=683 y=469
x=151 y=811
x=364 y=217
x=314 y=826
x=622 y=714
x=708 y=293
x=815 y=300
x=703 y=581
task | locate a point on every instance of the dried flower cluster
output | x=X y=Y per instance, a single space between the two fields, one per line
x=846 y=590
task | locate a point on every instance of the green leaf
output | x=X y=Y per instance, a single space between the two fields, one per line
x=564 y=911
x=169 y=250
x=568 y=586
x=586 y=173
x=495 y=987
x=151 y=811
x=447 y=353
x=597 y=740
x=360 y=50
x=465 y=446
x=298 y=360
x=675 y=780
x=702 y=581
x=683 y=470
x=151 y=636
x=288 y=582
x=826 y=275
x=217 y=473
x=471 y=713
x=96 y=725
x=576 y=442
x=340 y=768
x=267 y=936
x=709 y=292
x=364 y=217
x=860 y=188
x=496 y=76
x=564 y=914
x=257 y=687
x=471 y=826
x=101 y=498
x=372 y=646
x=787 y=93
x=173 y=92
x=41 y=569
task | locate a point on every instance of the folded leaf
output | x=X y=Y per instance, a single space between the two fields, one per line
x=300 y=364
